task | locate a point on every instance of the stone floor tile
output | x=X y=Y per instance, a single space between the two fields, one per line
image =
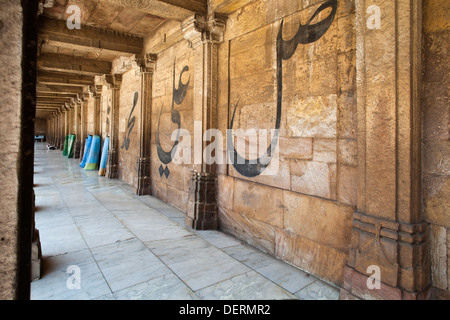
x=127 y=263
x=318 y=290
x=289 y=277
x=54 y=283
x=247 y=286
x=168 y=287
x=61 y=239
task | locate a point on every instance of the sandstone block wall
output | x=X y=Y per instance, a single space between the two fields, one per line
x=170 y=181
x=302 y=214
x=129 y=117
x=436 y=137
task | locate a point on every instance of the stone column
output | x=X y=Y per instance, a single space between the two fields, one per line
x=113 y=159
x=204 y=34
x=389 y=233
x=61 y=129
x=77 y=126
x=147 y=67
x=98 y=103
x=83 y=120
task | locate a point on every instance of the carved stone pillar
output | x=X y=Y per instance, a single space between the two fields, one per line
x=98 y=104
x=113 y=159
x=77 y=127
x=389 y=233
x=204 y=34
x=143 y=185
x=83 y=122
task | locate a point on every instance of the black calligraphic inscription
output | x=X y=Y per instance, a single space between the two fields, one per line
x=178 y=96
x=130 y=123
x=306 y=34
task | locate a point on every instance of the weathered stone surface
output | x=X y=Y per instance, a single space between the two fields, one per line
x=357 y=283
x=252 y=231
x=320 y=220
x=436 y=201
x=347 y=152
x=296 y=148
x=313 y=178
x=250 y=199
x=10 y=124
x=321 y=260
x=438 y=246
x=347 y=182
x=225 y=188
x=325 y=150
x=313 y=117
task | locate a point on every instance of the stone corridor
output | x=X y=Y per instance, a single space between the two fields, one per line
x=137 y=247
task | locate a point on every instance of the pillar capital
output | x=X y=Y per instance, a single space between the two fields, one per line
x=146 y=63
x=200 y=28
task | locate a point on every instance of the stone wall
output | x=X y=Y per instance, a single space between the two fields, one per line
x=10 y=40
x=105 y=112
x=129 y=117
x=170 y=181
x=90 y=116
x=436 y=138
x=18 y=40
x=302 y=213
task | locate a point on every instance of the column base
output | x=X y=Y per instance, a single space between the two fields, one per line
x=77 y=150
x=111 y=165
x=356 y=287
x=395 y=252
x=202 y=211
x=143 y=185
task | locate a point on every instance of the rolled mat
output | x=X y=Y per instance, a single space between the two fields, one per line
x=87 y=148
x=104 y=157
x=94 y=154
x=71 y=142
x=66 y=145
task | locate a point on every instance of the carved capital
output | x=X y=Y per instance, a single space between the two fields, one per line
x=146 y=64
x=199 y=28
x=117 y=80
x=98 y=90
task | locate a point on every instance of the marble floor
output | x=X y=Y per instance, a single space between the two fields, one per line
x=100 y=241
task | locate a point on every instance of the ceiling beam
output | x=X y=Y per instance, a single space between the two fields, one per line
x=227 y=6
x=71 y=64
x=68 y=79
x=169 y=9
x=199 y=6
x=88 y=37
x=59 y=89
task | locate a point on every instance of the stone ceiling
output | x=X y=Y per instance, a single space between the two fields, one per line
x=69 y=59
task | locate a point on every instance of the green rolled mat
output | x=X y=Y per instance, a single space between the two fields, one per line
x=66 y=146
x=71 y=143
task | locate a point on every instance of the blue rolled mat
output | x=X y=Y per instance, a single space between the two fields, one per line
x=87 y=148
x=94 y=154
x=104 y=157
